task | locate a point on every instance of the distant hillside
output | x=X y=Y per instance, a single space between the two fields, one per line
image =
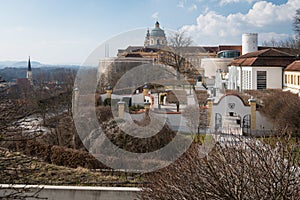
x=34 y=64
x=25 y=64
x=10 y=74
x=19 y=64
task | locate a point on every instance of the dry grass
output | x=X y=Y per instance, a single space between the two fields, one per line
x=16 y=168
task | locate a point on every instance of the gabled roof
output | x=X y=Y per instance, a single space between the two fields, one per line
x=291 y=51
x=295 y=66
x=267 y=58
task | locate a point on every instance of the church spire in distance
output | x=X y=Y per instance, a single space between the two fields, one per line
x=29 y=72
x=29 y=65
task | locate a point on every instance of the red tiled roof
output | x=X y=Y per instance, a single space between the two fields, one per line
x=294 y=52
x=267 y=57
x=295 y=66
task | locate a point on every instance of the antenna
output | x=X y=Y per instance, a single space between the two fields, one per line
x=106 y=50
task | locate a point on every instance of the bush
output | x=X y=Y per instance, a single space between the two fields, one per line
x=283 y=108
x=39 y=150
x=107 y=102
x=136 y=107
x=104 y=113
x=74 y=158
x=62 y=156
x=246 y=170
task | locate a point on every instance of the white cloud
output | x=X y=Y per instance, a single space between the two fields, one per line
x=264 y=17
x=272 y=35
x=15 y=29
x=155 y=15
x=224 y=2
x=181 y=4
x=193 y=8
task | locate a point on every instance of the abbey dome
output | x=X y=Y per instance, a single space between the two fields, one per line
x=155 y=38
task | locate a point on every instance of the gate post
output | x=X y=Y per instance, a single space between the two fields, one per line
x=252 y=103
x=146 y=90
x=210 y=103
x=108 y=92
x=121 y=109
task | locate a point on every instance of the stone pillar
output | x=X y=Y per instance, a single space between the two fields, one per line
x=75 y=99
x=121 y=109
x=252 y=103
x=145 y=90
x=108 y=92
x=210 y=102
x=147 y=108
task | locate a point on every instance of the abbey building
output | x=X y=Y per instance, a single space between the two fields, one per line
x=155 y=38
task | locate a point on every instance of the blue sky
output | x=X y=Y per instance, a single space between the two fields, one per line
x=67 y=31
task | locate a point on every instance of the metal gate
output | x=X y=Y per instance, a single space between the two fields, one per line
x=246 y=126
x=218 y=122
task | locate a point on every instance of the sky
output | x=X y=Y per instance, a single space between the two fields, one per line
x=67 y=31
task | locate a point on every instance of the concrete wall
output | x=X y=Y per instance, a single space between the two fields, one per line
x=83 y=193
x=211 y=65
x=262 y=123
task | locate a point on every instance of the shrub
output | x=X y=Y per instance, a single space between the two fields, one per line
x=136 y=107
x=245 y=170
x=74 y=158
x=107 y=102
x=39 y=150
x=104 y=113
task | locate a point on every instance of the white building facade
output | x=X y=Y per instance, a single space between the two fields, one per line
x=258 y=70
x=292 y=78
x=253 y=78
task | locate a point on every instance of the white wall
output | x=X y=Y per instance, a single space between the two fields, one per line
x=223 y=108
x=274 y=77
x=211 y=65
x=138 y=99
x=249 y=42
x=83 y=193
x=295 y=88
x=263 y=123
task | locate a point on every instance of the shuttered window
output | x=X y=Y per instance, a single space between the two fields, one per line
x=261 y=80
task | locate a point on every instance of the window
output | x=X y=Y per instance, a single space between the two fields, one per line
x=261 y=80
x=292 y=79
x=298 y=80
x=285 y=79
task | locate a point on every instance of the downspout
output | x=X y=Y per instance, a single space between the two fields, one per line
x=241 y=76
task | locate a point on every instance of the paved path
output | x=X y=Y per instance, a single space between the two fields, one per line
x=230 y=125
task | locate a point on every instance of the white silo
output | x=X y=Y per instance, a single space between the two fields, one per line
x=249 y=42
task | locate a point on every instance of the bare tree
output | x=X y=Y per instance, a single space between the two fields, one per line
x=174 y=55
x=290 y=42
x=297 y=23
x=179 y=40
x=177 y=97
x=245 y=169
x=197 y=118
x=12 y=168
x=283 y=108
